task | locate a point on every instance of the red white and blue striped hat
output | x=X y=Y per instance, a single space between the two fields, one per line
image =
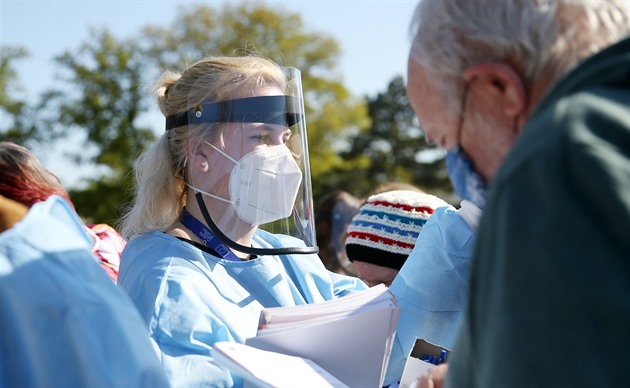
x=385 y=229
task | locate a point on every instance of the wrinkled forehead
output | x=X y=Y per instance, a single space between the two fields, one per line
x=438 y=118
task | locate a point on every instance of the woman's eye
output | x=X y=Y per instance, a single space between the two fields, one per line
x=270 y=135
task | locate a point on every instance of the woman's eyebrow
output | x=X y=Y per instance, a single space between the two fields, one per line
x=274 y=128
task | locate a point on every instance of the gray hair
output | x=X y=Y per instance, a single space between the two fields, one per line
x=542 y=39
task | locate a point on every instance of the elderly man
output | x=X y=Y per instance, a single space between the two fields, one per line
x=532 y=98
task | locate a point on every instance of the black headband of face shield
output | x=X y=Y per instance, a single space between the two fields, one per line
x=282 y=110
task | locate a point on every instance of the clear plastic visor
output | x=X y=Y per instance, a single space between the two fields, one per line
x=248 y=157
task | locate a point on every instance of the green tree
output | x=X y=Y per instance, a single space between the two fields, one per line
x=103 y=103
x=17 y=124
x=393 y=148
x=104 y=96
x=331 y=112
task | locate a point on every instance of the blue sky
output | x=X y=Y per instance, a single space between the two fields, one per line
x=373 y=36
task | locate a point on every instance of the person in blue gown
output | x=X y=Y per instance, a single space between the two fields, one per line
x=221 y=226
x=63 y=322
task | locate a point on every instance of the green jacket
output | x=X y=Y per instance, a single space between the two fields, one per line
x=549 y=301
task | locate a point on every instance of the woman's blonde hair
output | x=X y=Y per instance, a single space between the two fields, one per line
x=544 y=39
x=161 y=171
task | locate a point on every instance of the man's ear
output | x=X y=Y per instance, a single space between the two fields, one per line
x=502 y=82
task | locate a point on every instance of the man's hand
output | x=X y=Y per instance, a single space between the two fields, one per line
x=433 y=378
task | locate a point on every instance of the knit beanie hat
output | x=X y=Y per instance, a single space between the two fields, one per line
x=387 y=225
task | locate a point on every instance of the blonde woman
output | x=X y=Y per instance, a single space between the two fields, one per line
x=222 y=226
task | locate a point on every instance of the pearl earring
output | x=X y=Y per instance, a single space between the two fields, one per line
x=204 y=164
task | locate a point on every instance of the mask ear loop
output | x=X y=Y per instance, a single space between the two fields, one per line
x=249 y=250
x=221 y=152
x=460 y=123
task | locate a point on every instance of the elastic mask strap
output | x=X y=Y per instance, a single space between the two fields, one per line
x=208 y=194
x=222 y=153
x=205 y=192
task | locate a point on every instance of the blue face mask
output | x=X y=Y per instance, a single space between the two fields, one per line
x=467 y=182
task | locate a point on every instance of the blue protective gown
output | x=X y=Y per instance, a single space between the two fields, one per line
x=432 y=285
x=190 y=299
x=63 y=322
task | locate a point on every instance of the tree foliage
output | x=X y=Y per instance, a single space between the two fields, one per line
x=104 y=89
x=106 y=101
x=331 y=111
x=392 y=148
x=8 y=78
x=16 y=124
x=103 y=100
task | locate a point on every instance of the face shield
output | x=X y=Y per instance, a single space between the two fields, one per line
x=248 y=159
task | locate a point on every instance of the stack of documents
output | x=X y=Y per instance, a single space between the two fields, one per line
x=350 y=337
x=260 y=368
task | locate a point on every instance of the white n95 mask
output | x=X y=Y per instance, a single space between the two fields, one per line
x=263 y=184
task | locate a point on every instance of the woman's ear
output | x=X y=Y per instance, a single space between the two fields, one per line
x=501 y=83
x=198 y=159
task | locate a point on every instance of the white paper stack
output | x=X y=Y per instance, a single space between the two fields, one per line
x=350 y=337
x=260 y=368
